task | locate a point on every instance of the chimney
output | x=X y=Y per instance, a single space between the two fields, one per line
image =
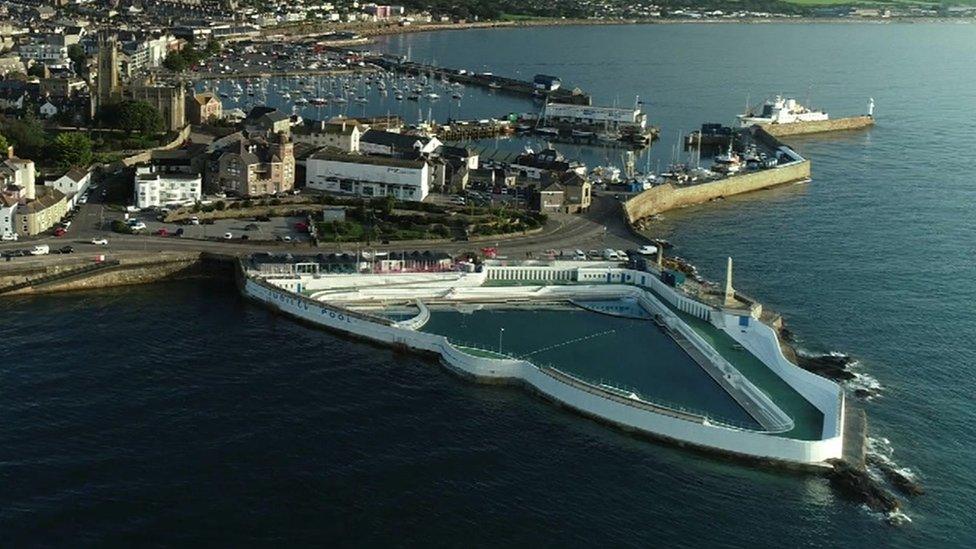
x=10 y=152
x=660 y=256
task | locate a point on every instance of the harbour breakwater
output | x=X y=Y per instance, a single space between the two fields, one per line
x=661 y=198
x=819 y=126
x=668 y=196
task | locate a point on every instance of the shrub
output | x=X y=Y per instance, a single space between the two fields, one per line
x=119 y=226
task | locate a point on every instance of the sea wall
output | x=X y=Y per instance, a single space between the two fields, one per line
x=591 y=400
x=666 y=197
x=142 y=269
x=820 y=126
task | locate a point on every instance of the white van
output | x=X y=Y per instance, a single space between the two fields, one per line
x=40 y=249
x=610 y=255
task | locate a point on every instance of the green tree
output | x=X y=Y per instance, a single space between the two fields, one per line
x=37 y=69
x=213 y=47
x=76 y=54
x=175 y=61
x=389 y=202
x=132 y=116
x=26 y=135
x=3 y=144
x=72 y=149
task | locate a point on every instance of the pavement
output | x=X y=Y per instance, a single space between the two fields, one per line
x=601 y=227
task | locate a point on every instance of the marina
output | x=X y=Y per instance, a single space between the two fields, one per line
x=542 y=86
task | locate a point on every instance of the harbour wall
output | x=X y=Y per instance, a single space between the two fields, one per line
x=819 y=126
x=123 y=270
x=666 y=197
x=630 y=414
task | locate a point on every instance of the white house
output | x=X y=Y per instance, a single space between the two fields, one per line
x=154 y=188
x=368 y=176
x=7 y=227
x=73 y=184
x=342 y=134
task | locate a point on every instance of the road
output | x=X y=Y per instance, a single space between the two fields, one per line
x=601 y=227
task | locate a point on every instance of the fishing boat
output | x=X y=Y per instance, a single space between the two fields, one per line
x=727 y=162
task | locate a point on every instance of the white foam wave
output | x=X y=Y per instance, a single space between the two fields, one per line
x=865 y=382
x=895 y=518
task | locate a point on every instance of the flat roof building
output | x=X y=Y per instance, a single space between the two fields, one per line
x=369 y=176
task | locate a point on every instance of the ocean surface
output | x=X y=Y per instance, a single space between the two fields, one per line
x=179 y=414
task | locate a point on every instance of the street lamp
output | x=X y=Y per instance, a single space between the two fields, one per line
x=500 y=332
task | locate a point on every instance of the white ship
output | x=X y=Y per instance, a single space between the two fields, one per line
x=781 y=111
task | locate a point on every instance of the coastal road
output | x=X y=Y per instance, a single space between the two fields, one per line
x=599 y=228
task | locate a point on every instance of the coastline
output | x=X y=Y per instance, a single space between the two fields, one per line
x=372 y=30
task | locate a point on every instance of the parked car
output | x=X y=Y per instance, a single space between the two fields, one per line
x=60 y=231
x=99 y=241
x=40 y=249
x=194 y=220
x=252 y=227
x=66 y=250
x=647 y=249
x=162 y=232
x=228 y=236
x=179 y=232
x=12 y=237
